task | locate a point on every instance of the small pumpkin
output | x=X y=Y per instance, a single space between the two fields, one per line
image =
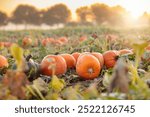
x=125 y=51
x=99 y=56
x=58 y=43
x=70 y=60
x=76 y=55
x=1 y=45
x=45 y=42
x=110 y=58
x=83 y=38
x=7 y=44
x=53 y=64
x=88 y=67
x=63 y=39
x=3 y=62
x=148 y=47
x=26 y=41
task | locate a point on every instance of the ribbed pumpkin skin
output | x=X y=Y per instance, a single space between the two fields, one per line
x=76 y=55
x=70 y=60
x=88 y=67
x=110 y=58
x=53 y=62
x=3 y=62
x=99 y=56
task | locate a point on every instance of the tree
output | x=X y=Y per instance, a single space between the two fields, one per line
x=84 y=14
x=145 y=18
x=57 y=14
x=25 y=14
x=101 y=12
x=118 y=15
x=3 y=19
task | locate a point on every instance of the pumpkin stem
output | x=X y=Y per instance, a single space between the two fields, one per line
x=90 y=70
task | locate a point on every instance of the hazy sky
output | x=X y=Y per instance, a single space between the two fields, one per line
x=136 y=7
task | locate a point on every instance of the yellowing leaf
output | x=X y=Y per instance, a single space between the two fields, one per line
x=57 y=84
x=139 y=50
x=17 y=53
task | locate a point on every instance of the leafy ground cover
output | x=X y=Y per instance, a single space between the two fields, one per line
x=22 y=78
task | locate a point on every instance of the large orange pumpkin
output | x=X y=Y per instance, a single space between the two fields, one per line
x=26 y=41
x=88 y=67
x=125 y=51
x=70 y=60
x=53 y=64
x=110 y=58
x=76 y=55
x=99 y=56
x=3 y=62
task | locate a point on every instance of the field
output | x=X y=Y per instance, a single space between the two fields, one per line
x=128 y=79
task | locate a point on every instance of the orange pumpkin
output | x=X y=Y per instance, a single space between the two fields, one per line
x=99 y=56
x=125 y=51
x=26 y=41
x=110 y=58
x=83 y=38
x=53 y=64
x=88 y=67
x=63 y=39
x=76 y=55
x=70 y=60
x=45 y=42
x=1 y=44
x=148 y=47
x=7 y=44
x=3 y=62
x=58 y=43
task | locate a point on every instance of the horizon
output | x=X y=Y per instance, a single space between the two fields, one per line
x=8 y=6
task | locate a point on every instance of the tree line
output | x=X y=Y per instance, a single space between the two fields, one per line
x=60 y=13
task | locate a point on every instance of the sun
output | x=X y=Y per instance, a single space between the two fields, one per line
x=135 y=8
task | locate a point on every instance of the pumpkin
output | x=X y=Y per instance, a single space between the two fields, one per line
x=76 y=55
x=148 y=47
x=63 y=39
x=88 y=67
x=70 y=60
x=99 y=56
x=7 y=44
x=26 y=41
x=58 y=42
x=82 y=38
x=53 y=64
x=110 y=58
x=1 y=45
x=45 y=42
x=125 y=51
x=3 y=62
x=51 y=40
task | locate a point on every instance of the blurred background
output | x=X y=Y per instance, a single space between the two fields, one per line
x=48 y=14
